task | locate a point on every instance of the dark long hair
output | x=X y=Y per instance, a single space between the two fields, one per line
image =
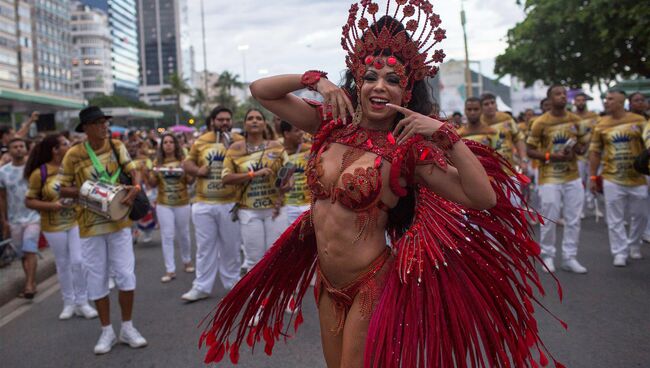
x=401 y=216
x=41 y=154
x=178 y=152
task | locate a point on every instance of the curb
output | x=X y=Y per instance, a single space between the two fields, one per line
x=13 y=279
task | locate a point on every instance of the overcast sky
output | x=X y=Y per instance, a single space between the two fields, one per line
x=292 y=36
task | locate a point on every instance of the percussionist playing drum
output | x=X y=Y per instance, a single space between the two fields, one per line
x=105 y=243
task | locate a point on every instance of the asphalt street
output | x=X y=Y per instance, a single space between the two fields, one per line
x=608 y=312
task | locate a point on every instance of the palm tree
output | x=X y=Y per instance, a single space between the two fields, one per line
x=199 y=101
x=228 y=81
x=177 y=88
x=225 y=84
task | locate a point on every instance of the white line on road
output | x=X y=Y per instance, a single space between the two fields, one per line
x=18 y=306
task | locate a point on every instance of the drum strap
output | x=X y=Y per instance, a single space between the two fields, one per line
x=100 y=168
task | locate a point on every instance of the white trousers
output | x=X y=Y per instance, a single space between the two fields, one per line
x=583 y=168
x=217 y=246
x=293 y=212
x=259 y=231
x=70 y=268
x=555 y=198
x=112 y=251
x=618 y=198
x=174 y=223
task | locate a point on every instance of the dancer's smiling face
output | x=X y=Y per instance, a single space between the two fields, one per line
x=380 y=86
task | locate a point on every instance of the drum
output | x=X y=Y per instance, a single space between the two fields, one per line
x=104 y=199
x=169 y=171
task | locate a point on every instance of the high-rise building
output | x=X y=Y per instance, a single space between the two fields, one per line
x=91 y=64
x=25 y=47
x=9 y=73
x=165 y=47
x=122 y=18
x=53 y=46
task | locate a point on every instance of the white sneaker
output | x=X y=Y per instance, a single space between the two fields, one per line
x=67 y=312
x=550 y=266
x=131 y=337
x=194 y=295
x=572 y=265
x=85 y=311
x=646 y=238
x=635 y=253
x=620 y=260
x=106 y=341
x=147 y=237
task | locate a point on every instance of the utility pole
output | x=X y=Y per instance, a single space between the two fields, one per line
x=469 y=91
x=205 y=58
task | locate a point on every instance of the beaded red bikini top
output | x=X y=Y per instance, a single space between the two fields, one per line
x=360 y=190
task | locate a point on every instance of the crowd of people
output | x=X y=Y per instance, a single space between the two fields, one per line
x=579 y=158
x=241 y=191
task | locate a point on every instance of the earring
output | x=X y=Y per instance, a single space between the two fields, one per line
x=358 y=114
x=356 y=120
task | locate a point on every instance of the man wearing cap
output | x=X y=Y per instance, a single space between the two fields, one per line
x=106 y=244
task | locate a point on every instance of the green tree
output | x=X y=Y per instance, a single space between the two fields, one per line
x=225 y=84
x=177 y=88
x=116 y=101
x=577 y=42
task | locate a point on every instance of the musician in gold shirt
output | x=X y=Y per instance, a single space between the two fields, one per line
x=58 y=223
x=218 y=239
x=555 y=140
x=172 y=204
x=510 y=140
x=588 y=120
x=298 y=199
x=252 y=166
x=474 y=130
x=105 y=244
x=616 y=141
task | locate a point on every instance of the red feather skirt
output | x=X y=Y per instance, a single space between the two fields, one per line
x=461 y=291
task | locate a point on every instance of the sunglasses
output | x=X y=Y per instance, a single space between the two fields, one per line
x=284 y=174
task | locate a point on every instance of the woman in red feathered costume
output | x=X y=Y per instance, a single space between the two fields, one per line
x=453 y=288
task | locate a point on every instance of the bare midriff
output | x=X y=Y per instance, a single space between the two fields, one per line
x=343 y=251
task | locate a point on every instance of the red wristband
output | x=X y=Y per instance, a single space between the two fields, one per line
x=311 y=78
x=445 y=137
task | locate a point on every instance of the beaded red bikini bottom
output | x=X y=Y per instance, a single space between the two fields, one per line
x=368 y=285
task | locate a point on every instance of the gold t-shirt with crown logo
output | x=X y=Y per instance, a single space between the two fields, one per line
x=550 y=134
x=508 y=134
x=50 y=191
x=172 y=189
x=206 y=151
x=299 y=195
x=261 y=193
x=620 y=142
x=77 y=168
x=485 y=136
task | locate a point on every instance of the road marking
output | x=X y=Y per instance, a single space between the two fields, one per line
x=19 y=306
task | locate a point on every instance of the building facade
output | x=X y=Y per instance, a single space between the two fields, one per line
x=91 y=65
x=122 y=19
x=165 y=48
x=9 y=67
x=52 y=42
